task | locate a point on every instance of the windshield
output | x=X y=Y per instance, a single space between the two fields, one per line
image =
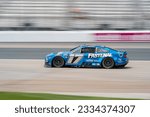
x=74 y=48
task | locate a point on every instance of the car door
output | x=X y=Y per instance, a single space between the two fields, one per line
x=89 y=55
x=75 y=57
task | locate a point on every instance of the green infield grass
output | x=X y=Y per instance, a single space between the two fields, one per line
x=47 y=96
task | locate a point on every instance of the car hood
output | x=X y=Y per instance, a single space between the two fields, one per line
x=62 y=53
x=59 y=53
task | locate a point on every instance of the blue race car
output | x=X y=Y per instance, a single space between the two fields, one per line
x=88 y=56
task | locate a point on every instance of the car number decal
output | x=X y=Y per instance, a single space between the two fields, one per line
x=75 y=58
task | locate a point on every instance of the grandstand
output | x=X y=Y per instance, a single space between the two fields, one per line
x=74 y=14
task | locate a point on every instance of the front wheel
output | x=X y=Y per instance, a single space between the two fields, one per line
x=58 y=61
x=108 y=63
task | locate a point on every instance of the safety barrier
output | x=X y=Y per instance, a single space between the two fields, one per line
x=75 y=36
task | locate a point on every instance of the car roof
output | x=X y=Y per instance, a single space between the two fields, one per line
x=92 y=46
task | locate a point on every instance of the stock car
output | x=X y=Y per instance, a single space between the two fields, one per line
x=87 y=56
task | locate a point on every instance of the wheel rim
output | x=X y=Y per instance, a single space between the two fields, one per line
x=108 y=63
x=58 y=62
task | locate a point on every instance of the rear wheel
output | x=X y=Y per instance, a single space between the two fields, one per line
x=58 y=61
x=108 y=63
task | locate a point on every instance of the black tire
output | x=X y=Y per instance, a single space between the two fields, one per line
x=122 y=66
x=108 y=63
x=58 y=62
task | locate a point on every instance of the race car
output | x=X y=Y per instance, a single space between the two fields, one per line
x=88 y=56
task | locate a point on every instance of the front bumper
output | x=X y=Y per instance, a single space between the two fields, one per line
x=46 y=64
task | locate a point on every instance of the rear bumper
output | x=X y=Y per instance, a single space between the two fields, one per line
x=124 y=62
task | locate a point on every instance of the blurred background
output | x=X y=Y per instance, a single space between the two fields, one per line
x=74 y=15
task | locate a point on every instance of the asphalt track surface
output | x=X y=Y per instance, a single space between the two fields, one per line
x=21 y=69
x=31 y=76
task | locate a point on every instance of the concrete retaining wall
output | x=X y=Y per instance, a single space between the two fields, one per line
x=75 y=36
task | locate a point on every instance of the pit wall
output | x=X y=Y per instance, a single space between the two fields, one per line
x=75 y=36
